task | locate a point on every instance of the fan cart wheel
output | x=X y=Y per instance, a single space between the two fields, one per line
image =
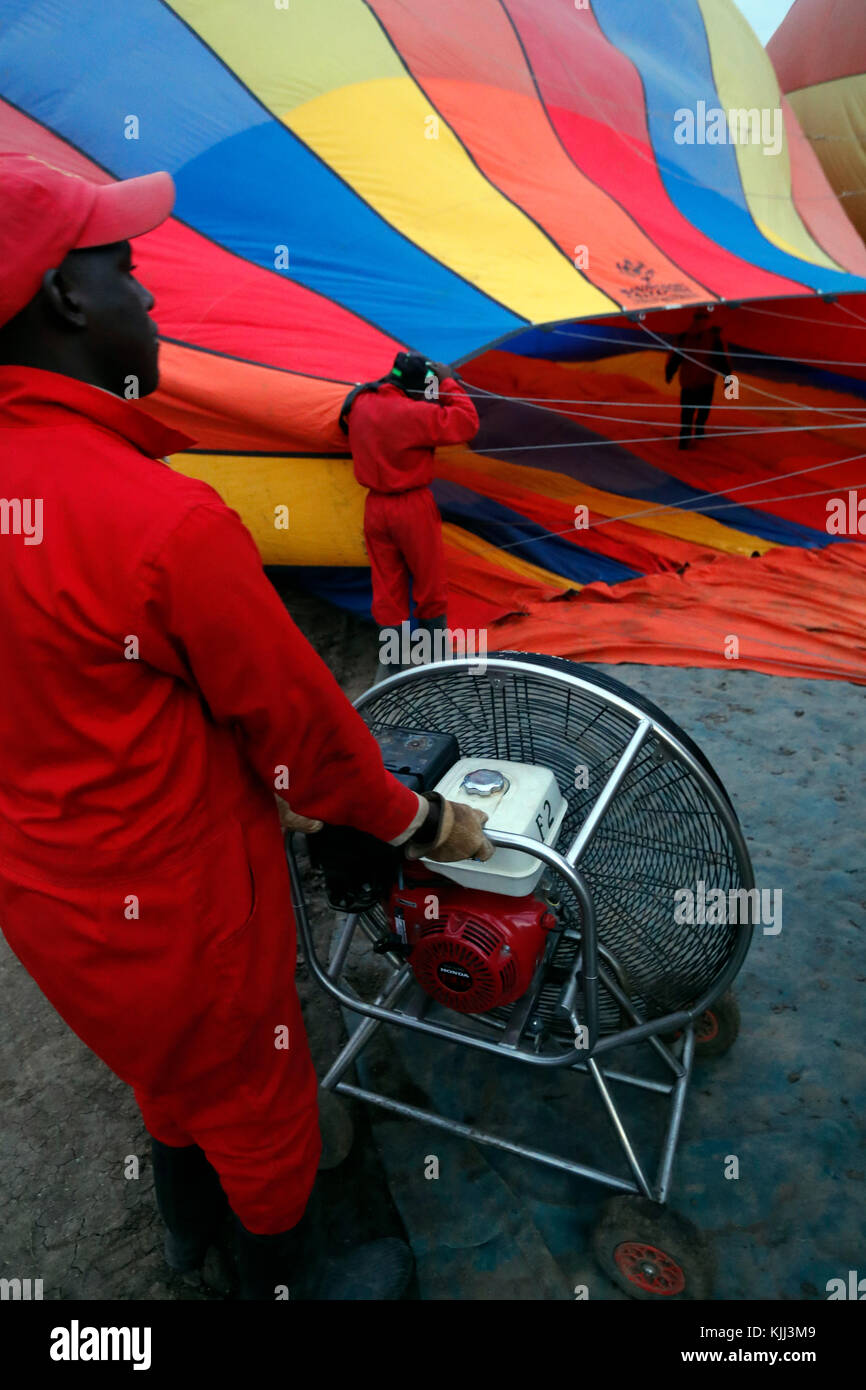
x=337 y=1130
x=653 y=1253
x=717 y=1028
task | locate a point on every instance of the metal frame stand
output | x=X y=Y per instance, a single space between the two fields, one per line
x=593 y=967
x=391 y=1006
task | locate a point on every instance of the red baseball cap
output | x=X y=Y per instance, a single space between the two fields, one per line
x=47 y=212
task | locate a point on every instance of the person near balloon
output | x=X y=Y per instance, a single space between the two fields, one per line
x=394 y=427
x=699 y=357
x=156 y=697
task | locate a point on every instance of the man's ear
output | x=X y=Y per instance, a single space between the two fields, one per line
x=62 y=298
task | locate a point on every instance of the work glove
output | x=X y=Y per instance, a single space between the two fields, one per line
x=456 y=835
x=290 y=820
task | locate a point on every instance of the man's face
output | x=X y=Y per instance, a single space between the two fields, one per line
x=121 y=335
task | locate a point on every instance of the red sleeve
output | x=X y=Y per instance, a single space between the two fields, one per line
x=257 y=672
x=453 y=421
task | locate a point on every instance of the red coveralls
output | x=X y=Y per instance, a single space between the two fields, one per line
x=393 y=439
x=153 y=686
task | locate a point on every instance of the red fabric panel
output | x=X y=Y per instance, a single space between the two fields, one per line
x=728 y=461
x=479 y=80
x=818 y=41
x=209 y=297
x=479 y=592
x=18 y=133
x=810 y=330
x=584 y=80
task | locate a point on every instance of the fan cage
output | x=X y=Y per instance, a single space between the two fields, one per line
x=669 y=826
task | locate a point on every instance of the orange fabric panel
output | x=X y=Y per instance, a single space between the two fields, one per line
x=793 y=613
x=239 y=406
x=479 y=592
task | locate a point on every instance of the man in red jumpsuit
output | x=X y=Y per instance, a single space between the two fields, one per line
x=394 y=428
x=155 y=693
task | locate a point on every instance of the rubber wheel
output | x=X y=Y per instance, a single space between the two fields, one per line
x=652 y=1253
x=337 y=1130
x=716 y=1030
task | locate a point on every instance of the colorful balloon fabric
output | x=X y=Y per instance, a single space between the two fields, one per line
x=537 y=191
x=819 y=53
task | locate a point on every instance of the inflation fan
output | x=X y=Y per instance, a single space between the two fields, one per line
x=566 y=949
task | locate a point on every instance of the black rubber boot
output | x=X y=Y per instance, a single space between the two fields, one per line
x=193 y=1206
x=273 y=1267
x=270 y=1267
x=441 y=650
x=392 y=668
x=296 y=1264
x=191 y=1202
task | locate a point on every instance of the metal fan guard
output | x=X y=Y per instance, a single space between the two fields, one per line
x=669 y=826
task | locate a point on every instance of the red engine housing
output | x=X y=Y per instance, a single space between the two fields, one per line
x=472 y=951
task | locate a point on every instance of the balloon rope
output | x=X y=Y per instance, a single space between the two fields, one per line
x=481 y=393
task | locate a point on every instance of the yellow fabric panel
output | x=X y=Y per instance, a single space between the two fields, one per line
x=745 y=80
x=503 y=559
x=373 y=135
x=326 y=508
x=672 y=521
x=326 y=512
x=325 y=504
x=833 y=118
x=290 y=56
x=329 y=73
